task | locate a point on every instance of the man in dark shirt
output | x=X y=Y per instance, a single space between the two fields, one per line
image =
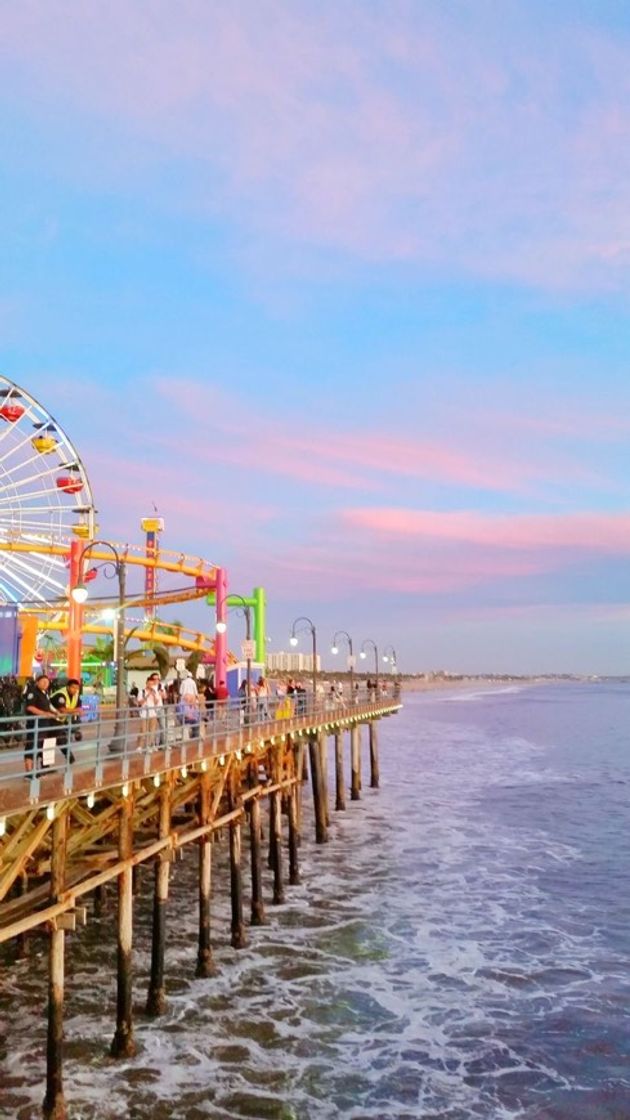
x=43 y=719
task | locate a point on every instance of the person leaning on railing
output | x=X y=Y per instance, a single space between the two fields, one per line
x=67 y=702
x=42 y=721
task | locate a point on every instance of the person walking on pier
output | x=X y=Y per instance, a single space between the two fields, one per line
x=149 y=705
x=262 y=697
x=160 y=711
x=41 y=723
x=188 y=688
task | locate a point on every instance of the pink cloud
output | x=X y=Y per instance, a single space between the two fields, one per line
x=597 y=532
x=235 y=433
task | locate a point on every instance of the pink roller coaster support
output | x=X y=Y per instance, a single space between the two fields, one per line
x=75 y=613
x=220 y=648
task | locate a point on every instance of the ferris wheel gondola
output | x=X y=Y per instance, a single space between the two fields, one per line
x=45 y=497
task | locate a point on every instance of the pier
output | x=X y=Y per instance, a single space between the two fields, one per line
x=131 y=799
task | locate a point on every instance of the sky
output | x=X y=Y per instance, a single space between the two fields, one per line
x=342 y=287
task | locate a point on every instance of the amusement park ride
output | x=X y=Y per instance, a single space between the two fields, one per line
x=47 y=526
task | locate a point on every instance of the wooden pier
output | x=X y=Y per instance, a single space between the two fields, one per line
x=66 y=835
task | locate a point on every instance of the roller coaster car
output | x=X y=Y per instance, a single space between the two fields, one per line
x=68 y=484
x=44 y=444
x=81 y=530
x=12 y=412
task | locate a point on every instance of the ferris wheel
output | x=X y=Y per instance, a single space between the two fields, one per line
x=45 y=498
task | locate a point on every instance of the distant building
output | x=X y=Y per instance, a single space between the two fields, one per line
x=291 y=663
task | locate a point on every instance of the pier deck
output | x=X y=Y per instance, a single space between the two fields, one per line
x=139 y=794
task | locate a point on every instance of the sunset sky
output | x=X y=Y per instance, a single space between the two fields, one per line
x=343 y=288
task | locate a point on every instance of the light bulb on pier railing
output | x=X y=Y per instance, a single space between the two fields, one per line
x=221 y=627
x=293 y=640
x=80 y=593
x=108 y=615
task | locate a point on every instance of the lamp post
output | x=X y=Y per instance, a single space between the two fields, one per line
x=363 y=654
x=80 y=594
x=244 y=607
x=334 y=649
x=294 y=641
x=390 y=656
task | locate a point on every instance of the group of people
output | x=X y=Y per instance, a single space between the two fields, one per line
x=52 y=720
x=255 y=697
x=193 y=705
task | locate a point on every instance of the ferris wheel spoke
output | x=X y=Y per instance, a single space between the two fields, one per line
x=18 y=483
x=40 y=572
x=30 y=527
x=8 y=593
x=33 y=494
x=27 y=435
x=57 y=509
x=16 y=580
x=9 y=472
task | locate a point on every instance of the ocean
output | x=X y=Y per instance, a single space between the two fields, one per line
x=460 y=949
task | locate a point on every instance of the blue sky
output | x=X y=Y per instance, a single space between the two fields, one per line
x=342 y=287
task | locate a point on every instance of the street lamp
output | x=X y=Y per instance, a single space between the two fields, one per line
x=80 y=594
x=294 y=641
x=363 y=655
x=335 y=649
x=390 y=656
x=245 y=609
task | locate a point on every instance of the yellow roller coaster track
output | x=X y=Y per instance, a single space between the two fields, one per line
x=53 y=615
x=165 y=561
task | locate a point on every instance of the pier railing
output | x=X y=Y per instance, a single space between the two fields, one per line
x=42 y=759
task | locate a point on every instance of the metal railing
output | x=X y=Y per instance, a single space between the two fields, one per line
x=34 y=749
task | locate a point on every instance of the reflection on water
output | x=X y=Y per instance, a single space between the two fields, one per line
x=458 y=950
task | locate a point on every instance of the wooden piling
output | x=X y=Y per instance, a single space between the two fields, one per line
x=340 y=792
x=99 y=900
x=255 y=831
x=275 y=829
x=355 y=763
x=123 y=1044
x=321 y=830
x=374 y=769
x=294 y=837
x=323 y=757
x=205 y=963
x=21 y=942
x=156 y=998
x=299 y=753
x=54 y=1107
x=238 y=939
